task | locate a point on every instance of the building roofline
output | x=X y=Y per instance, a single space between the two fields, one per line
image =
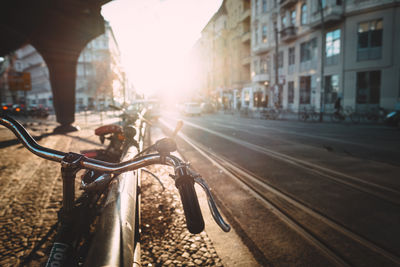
x=220 y=11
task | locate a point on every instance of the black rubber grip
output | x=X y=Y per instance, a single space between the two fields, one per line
x=191 y=208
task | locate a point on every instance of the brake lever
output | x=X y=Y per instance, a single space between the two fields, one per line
x=211 y=204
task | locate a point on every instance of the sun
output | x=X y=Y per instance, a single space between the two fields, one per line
x=155 y=38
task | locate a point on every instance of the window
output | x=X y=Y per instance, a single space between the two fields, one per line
x=332 y=48
x=280 y=59
x=305 y=89
x=368 y=87
x=264 y=6
x=291 y=56
x=263 y=66
x=293 y=17
x=331 y=88
x=303 y=14
x=264 y=33
x=369 y=40
x=284 y=21
x=290 y=92
x=256 y=7
x=308 y=50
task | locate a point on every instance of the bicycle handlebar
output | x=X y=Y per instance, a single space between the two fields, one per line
x=86 y=163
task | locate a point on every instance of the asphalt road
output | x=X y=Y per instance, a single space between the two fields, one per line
x=302 y=193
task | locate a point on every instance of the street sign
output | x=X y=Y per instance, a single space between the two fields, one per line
x=19 y=81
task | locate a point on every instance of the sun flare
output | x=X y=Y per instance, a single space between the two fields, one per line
x=155 y=38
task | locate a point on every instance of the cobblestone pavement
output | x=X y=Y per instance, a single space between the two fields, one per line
x=165 y=239
x=31 y=192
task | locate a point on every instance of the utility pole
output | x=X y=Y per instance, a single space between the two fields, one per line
x=277 y=88
x=322 y=82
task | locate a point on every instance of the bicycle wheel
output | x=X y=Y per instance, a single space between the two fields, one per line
x=273 y=114
x=355 y=117
x=302 y=116
x=315 y=116
x=335 y=117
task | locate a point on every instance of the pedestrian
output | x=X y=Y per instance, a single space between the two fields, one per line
x=338 y=105
x=239 y=105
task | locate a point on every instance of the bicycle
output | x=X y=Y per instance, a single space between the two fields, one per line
x=270 y=113
x=341 y=115
x=374 y=115
x=308 y=115
x=110 y=189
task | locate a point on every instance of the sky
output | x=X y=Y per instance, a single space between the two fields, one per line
x=155 y=37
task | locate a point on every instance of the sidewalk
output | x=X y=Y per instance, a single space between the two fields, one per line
x=292 y=116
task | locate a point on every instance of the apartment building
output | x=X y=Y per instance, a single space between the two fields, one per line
x=100 y=78
x=225 y=46
x=215 y=55
x=360 y=40
x=238 y=48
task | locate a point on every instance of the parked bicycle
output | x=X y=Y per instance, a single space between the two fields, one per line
x=347 y=112
x=270 y=113
x=305 y=115
x=111 y=202
x=245 y=112
x=374 y=115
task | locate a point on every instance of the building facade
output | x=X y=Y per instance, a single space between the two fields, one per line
x=100 y=79
x=225 y=46
x=306 y=54
x=355 y=42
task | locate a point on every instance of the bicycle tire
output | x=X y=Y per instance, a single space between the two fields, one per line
x=355 y=117
x=315 y=116
x=302 y=116
x=273 y=115
x=335 y=117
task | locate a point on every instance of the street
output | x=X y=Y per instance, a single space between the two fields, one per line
x=301 y=193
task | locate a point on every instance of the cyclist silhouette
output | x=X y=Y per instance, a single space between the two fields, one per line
x=338 y=105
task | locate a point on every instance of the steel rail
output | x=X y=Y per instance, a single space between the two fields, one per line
x=385 y=193
x=238 y=175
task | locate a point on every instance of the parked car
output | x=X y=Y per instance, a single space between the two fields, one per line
x=38 y=111
x=191 y=109
x=6 y=108
x=207 y=108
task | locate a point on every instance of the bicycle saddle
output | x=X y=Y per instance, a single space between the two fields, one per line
x=108 y=129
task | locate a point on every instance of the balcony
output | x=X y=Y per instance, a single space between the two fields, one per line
x=287 y=3
x=288 y=33
x=332 y=14
x=261 y=77
x=246 y=60
x=263 y=48
x=245 y=15
x=246 y=37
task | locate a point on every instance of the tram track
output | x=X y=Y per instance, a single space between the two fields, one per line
x=258 y=188
x=379 y=191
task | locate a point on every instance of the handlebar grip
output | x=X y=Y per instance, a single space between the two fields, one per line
x=190 y=203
